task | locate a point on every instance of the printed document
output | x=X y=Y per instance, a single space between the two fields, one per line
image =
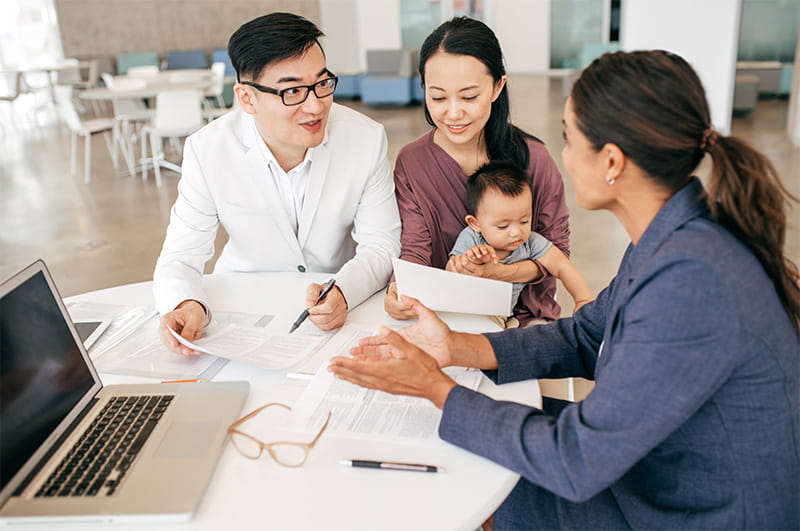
x=445 y=291
x=370 y=414
x=141 y=353
x=260 y=347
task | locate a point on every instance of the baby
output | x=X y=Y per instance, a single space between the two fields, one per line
x=499 y=207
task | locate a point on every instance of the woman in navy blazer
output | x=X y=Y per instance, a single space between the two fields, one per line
x=694 y=347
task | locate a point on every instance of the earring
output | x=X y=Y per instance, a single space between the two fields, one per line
x=611 y=181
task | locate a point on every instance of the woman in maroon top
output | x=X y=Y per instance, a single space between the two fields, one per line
x=466 y=100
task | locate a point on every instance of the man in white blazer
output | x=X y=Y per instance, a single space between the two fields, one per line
x=298 y=182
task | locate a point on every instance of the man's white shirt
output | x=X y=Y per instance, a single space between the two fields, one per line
x=347 y=223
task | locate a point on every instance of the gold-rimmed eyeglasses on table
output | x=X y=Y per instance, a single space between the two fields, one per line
x=287 y=453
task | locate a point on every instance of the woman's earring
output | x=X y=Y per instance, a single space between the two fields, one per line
x=611 y=180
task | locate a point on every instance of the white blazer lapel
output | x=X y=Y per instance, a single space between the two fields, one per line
x=316 y=182
x=266 y=185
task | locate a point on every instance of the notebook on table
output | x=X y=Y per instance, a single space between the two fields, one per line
x=74 y=450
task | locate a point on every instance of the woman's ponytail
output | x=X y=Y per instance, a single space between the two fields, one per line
x=747 y=197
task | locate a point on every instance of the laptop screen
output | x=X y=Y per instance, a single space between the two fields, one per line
x=42 y=372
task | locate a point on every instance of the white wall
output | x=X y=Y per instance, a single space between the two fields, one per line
x=523 y=29
x=341 y=42
x=793 y=125
x=352 y=27
x=378 y=26
x=704 y=32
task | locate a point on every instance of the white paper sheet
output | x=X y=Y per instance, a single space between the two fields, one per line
x=141 y=353
x=444 y=291
x=260 y=347
x=369 y=414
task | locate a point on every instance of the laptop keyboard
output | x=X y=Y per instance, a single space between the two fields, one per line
x=99 y=460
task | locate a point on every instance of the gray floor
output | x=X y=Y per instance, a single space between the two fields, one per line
x=110 y=231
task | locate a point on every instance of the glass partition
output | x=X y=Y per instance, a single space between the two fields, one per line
x=769 y=30
x=574 y=24
x=417 y=19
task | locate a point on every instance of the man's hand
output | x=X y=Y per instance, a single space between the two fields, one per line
x=188 y=319
x=397 y=309
x=331 y=312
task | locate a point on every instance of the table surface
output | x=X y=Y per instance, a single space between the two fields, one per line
x=324 y=494
x=162 y=81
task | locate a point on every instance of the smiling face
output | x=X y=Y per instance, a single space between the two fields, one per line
x=459 y=91
x=289 y=130
x=504 y=221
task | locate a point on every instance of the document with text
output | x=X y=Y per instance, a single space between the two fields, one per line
x=370 y=414
x=261 y=347
x=140 y=351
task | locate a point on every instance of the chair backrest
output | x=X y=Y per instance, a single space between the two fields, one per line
x=397 y=62
x=127 y=60
x=143 y=71
x=108 y=79
x=178 y=110
x=218 y=73
x=13 y=85
x=70 y=73
x=92 y=71
x=186 y=59
x=220 y=55
x=182 y=76
x=105 y=64
x=67 y=109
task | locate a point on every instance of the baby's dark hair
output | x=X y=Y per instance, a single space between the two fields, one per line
x=501 y=175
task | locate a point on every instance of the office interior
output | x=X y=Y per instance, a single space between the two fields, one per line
x=109 y=232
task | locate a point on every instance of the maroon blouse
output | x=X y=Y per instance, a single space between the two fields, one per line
x=431 y=193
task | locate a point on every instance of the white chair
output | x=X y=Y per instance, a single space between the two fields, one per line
x=127 y=114
x=84 y=128
x=215 y=90
x=13 y=88
x=178 y=114
x=143 y=71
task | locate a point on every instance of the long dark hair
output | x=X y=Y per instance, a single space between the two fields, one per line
x=467 y=36
x=653 y=107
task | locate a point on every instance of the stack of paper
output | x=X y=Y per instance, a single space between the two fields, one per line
x=369 y=414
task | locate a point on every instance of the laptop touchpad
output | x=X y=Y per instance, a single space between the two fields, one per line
x=186 y=439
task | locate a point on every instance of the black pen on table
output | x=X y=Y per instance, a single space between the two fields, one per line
x=303 y=316
x=385 y=465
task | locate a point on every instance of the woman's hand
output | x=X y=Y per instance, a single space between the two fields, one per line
x=394 y=307
x=397 y=367
x=429 y=333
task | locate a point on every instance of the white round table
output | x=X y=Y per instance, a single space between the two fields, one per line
x=323 y=494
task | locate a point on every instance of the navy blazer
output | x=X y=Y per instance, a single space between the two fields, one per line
x=693 y=420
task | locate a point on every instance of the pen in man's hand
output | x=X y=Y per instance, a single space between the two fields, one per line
x=303 y=316
x=408 y=467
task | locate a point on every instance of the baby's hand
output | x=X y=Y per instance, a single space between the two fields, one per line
x=481 y=254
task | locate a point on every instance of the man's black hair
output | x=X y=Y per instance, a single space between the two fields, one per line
x=270 y=38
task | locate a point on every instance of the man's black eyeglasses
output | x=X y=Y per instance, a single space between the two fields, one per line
x=297 y=95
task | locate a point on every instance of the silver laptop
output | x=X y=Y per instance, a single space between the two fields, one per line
x=73 y=450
